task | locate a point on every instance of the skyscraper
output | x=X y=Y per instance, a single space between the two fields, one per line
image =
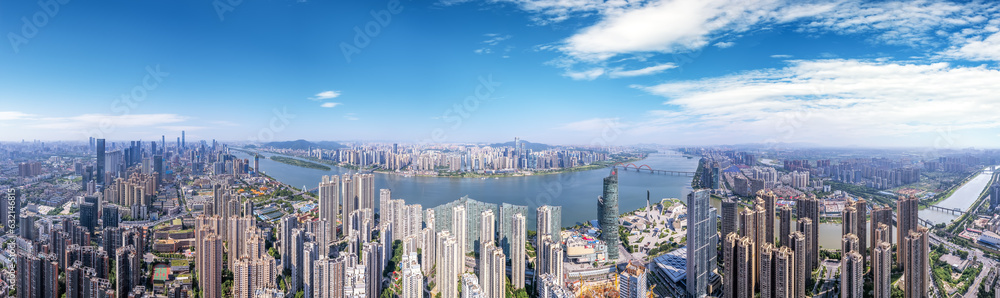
x=518 y=239
x=745 y=268
x=210 y=274
x=730 y=274
x=849 y=243
x=329 y=203
x=448 y=264
x=785 y=229
x=459 y=227
x=811 y=254
x=730 y=217
x=769 y=199
x=550 y=222
x=607 y=214
x=799 y=247
x=916 y=263
x=880 y=215
x=506 y=219
x=100 y=162
x=808 y=207
x=852 y=266
x=748 y=230
x=767 y=280
x=907 y=221
x=487 y=223
x=413 y=279
x=632 y=282
x=702 y=240
x=862 y=225
x=784 y=268
x=882 y=268
x=850 y=220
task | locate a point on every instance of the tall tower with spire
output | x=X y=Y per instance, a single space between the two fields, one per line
x=607 y=214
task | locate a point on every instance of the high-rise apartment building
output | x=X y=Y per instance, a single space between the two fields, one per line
x=607 y=214
x=518 y=240
x=702 y=240
x=769 y=200
x=449 y=264
x=882 y=268
x=916 y=263
x=550 y=222
x=797 y=241
x=785 y=228
x=730 y=218
x=413 y=279
x=861 y=205
x=880 y=215
x=487 y=223
x=767 y=279
x=459 y=227
x=329 y=204
x=852 y=266
x=784 y=269
x=506 y=219
x=907 y=221
x=632 y=281
x=811 y=253
x=808 y=207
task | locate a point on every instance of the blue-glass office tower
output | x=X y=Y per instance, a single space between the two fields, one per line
x=100 y=162
x=702 y=239
x=607 y=214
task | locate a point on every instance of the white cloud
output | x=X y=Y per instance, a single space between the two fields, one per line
x=655 y=69
x=330 y=104
x=325 y=95
x=667 y=26
x=588 y=75
x=104 y=120
x=781 y=56
x=724 y=44
x=831 y=101
x=986 y=49
x=673 y=26
x=350 y=116
x=14 y=115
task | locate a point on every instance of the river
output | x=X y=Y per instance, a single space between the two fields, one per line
x=576 y=192
x=962 y=198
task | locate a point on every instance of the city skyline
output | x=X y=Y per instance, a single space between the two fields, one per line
x=832 y=73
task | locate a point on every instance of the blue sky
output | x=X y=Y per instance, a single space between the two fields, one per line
x=834 y=73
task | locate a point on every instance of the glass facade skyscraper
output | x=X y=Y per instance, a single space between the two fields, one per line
x=473 y=208
x=702 y=240
x=607 y=214
x=506 y=219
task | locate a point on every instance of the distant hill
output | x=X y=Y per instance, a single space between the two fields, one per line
x=527 y=145
x=304 y=145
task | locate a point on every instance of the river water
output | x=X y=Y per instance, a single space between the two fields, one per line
x=576 y=192
x=962 y=198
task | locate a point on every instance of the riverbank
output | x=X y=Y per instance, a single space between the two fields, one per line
x=323 y=164
x=298 y=163
x=947 y=194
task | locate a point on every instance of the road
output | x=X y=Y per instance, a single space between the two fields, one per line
x=988 y=263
